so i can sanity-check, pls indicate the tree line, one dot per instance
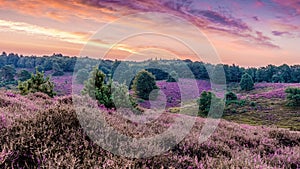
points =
(59, 65)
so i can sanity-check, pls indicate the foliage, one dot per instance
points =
(7, 73)
(37, 83)
(24, 75)
(293, 96)
(61, 64)
(96, 88)
(246, 83)
(144, 85)
(230, 96)
(121, 96)
(173, 77)
(81, 76)
(205, 103)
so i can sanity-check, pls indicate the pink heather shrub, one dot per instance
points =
(176, 92)
(268, 90)
(45, 133)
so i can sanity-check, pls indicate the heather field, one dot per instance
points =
(265, 105)
(41, 132)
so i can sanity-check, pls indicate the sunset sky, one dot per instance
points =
(247, 33)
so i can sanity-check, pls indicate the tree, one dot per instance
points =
(24, 75)
(293, 96)
(96, 88)
(173, 77)
(37, 83)
(82, 75)
(230, 96)
(7, 73)
(205, 103)
(246, 82)
(121, 96)
(144, 84)
(58, 71)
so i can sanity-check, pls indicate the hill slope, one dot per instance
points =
(38, 131)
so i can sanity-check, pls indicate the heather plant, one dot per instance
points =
(293, 97)
(53, 137)
(246, 82)
(37, 83)
(173, 77)
(144, 84)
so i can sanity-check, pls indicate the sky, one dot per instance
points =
(246, 33)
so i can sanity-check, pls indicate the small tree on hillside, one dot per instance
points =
(144, 84)
(247, 82)
(293, 96)
(24, 75)
(173, 77)
(230, 96)
(82, 75)
(96, 88)
(37, 83)
(109, 94)
(205, 103)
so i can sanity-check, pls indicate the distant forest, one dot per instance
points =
(12, 64)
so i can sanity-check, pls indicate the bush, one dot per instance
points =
(293, 97)
(173, 77)
(58, 73)
(144, 84)
(110, 94)
(205, 103)
(96, 88)
(37, 83)
(230, 96)
(247, 83)
(24, 75)
(121, 96)
(7, 73)
(82, 75)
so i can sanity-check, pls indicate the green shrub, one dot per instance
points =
(205, 103)
(110, 94)
(37, 83)
(24, 75)
(293, 97)
(247, 83)
(82, 75)
(230, 96)
(144, 84)
(96, 88)
(173, 77)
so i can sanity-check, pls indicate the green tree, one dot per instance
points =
(173, 77)
(82, 75)
(121, 96)
(58, 71)
(24, 75)
(230, 96)
(7, 73)
(37, 83)
(205, 103)
(144, 84)
(293, 96)
(246, 82)
(96, 88)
